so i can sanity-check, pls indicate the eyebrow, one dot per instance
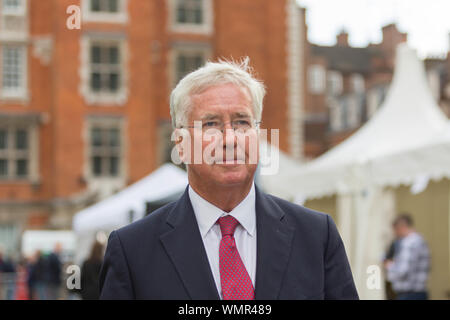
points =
(212, 116)
(241, 115)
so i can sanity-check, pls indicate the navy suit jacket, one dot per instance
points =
(300, 255)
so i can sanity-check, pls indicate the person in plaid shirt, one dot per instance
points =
(408, 271)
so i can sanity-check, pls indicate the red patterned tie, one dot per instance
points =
(235, 281)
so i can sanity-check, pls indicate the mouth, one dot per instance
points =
(232, 161)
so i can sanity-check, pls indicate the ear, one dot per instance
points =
(177, 137)
(182, 144)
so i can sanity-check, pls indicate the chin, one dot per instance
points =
(232, 177)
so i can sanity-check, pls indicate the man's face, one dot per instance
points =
(401, 229)
(223, 106)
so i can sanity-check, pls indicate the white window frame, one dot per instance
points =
(103, 98)
(358, 83)
(375, 98)
(187, 49)
(372, 102)
(20, 93)
(335, 83)
(353, 112)
(20, 10)
(120, 17)
(31, 154)
(316, 79)
(105, 184)
(9, 234)
(14, 24)
(336, 122)
(205, 28)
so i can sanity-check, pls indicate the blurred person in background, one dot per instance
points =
(40, 284)
(7, 277)
(33, 274)
(52, 273)
(408, 270)
(90, 271)
(22, 280)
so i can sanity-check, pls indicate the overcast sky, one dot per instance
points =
(427, 22)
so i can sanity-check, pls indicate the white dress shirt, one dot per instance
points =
(207, 215)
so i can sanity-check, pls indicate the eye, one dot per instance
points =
(242, 123)
(210, 124)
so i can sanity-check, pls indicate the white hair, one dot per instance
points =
(212, 74)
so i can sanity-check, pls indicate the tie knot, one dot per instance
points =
(227, 225)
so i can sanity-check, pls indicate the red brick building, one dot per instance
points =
(346, 85)
(438, 71)
(84, 112)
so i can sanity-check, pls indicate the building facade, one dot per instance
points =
(346, 85)
(85, 112)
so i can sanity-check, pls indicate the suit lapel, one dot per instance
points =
(185, 247)
(274, 241)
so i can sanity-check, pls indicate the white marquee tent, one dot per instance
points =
(114, 212)
(376, 156)
(408, 118)
(275, 168)
(426, 161)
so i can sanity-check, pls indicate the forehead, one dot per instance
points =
(221, 99)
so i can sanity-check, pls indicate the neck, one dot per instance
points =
(224, 197)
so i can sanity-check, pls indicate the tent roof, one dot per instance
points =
(409, 117)
(428, 160)
(114, 211)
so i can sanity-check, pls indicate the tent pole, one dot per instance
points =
(345, 222)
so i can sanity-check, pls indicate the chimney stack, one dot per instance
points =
(342, 39)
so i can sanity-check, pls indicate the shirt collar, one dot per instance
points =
(207, 213)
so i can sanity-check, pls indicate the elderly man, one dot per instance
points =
(225, 238)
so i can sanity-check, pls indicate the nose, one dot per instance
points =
(229, 136)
